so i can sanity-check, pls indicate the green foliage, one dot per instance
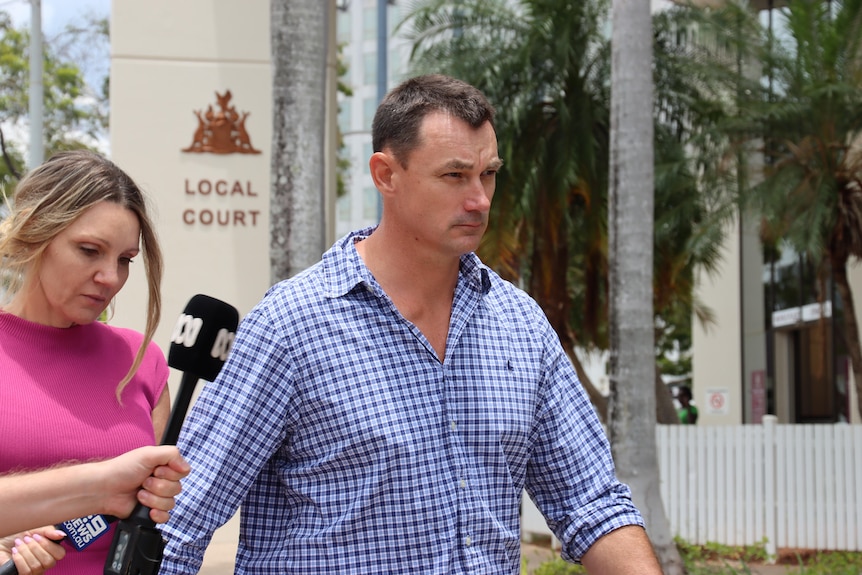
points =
(714, 558)
(694, 554)
(719, 559)
(546, 66)
(342, 161)
(810, 120)
(73, 115)
(831, 563)
(791, 132)
(719, 568)
(559, 567)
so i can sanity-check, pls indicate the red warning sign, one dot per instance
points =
(716, 401)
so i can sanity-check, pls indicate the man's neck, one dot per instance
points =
(407, 272)
(421, 288)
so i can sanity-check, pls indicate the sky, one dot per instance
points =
(56, 16)
(55, 13)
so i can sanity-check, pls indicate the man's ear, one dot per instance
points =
(381, 165)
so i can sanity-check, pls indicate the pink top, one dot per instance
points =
(58, 403)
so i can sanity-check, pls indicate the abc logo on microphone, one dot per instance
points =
(203, 336)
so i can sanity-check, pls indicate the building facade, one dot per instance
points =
(191, 123)
(182, 70)
(778, 347)
(358, 37)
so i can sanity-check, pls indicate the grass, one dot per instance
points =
(828, 563)
(717, 559)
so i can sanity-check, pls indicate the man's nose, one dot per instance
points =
(479, 197)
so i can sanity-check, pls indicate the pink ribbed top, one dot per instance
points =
(58, 403)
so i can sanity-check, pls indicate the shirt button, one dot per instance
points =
(454, 425)
(463, 483)
(468, 541)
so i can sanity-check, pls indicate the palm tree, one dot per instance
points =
(546, 69)
(811, 122)
(546, 66)
(630, 248)
(298, 45)
(803, 114)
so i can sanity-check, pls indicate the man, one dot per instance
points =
(149, 475)
(688, 411)
(382, 411)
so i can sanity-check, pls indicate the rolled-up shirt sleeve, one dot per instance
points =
(571, 475)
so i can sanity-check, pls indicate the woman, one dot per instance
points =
(74, 388)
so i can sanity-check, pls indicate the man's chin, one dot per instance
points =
(468, 237)
(469, 245)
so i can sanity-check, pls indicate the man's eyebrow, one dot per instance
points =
(455, 164)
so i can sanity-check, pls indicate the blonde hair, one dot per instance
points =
(52, 196)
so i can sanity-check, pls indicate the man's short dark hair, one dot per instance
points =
(398, 118)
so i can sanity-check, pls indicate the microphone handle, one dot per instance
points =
(137, 546)
(178, 412)
(141, 514)
(8, 568)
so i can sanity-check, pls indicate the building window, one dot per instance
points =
(343, 26)
(805, 356)
(343, 208)
(397, 61)
(393, 18)
(369, 23)
(369, 106)
(369, 68)
(344, 116)
(367, 150)
(370, 199)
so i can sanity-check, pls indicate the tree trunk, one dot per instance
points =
(665, 412)
(599, 401)
(851, 328)
(297, 224)
(632, 405)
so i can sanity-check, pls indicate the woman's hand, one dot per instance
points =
(33, 551)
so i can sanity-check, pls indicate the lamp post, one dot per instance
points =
(37, 147)
(382, 48)
(382, 64)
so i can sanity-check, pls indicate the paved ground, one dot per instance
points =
(219, 556)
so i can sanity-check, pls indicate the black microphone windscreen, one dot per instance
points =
(203, 336)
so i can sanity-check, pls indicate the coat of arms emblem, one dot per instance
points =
(221, 131)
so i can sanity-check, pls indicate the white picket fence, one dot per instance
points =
(795, 486)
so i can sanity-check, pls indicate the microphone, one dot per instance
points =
(200, 343)
(81, 533)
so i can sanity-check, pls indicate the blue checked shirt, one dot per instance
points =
(352, 449)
